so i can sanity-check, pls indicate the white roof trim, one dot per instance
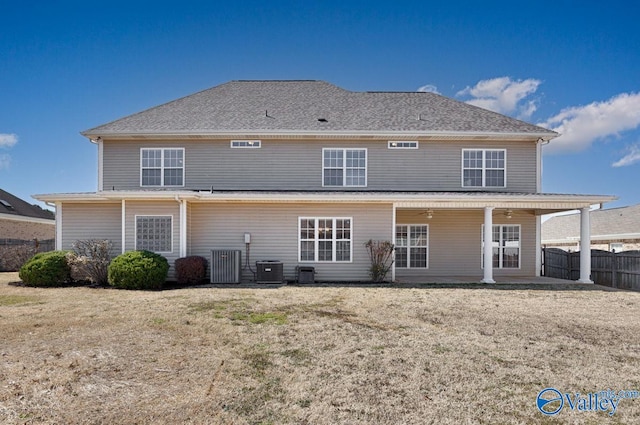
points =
(451, 200)
(298, 134)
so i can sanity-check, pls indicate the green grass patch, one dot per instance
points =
(259, 318)
(220, 306)
(17, 300)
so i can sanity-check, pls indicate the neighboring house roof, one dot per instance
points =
(606, 224)
(316, 107)
(12, 206)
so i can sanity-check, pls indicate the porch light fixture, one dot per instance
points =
(508, 214)
(429, 213)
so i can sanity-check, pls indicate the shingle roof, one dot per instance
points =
(290, 106)
(613, 221)
(10, 204)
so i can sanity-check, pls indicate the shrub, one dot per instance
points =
(191, 270)
(381, 256)
(46, 269)
(138, 270)
(90, 260)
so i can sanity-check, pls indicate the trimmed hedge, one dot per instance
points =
(138, 270)
(46, 269)
(191, 270)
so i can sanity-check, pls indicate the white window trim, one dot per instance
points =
(500, 248)
(484, 168)
(246, 144)
(344, 166)
(316, 240)
(403, 144)
(135, 230)
(184, 167)
(409, 246)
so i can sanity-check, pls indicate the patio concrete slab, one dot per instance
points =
(472, 279)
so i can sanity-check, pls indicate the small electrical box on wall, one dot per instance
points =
(247, 238)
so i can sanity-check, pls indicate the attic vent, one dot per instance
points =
(6, 204)
(323, 120)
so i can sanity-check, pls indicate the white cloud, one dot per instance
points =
(580, 126)
(429, 88)
(631, 157)
(5, 161)
(8, 140)
(504, 95)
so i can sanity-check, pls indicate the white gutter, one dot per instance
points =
(371, 134)
(403, 200)
(249, 195)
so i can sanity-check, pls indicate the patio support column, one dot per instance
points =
(183, 228)
(58, 225)
(393, 241)
(123, 227)
(488, 246)
(585, 246)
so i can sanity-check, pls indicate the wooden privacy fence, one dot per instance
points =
(617, 270)
(15, 252)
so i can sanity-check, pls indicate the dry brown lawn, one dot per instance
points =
(313, 355)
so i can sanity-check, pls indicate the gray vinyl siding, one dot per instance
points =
(297, 165)
(274, 234)
(153, 208)
(91, 221)
(455, 245)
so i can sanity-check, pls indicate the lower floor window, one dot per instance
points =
(154, 233)
(506, 246)
(325, 239)
(412, 246)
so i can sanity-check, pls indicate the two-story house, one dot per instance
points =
(312, 171)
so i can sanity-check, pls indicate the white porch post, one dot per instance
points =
(538, 245)
(393, 241)
(488, 248)
(183, 228)
(123, 227)
(58, 225)
(585, 246)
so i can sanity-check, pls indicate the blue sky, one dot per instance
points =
(67, 66)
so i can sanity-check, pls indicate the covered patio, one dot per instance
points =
(455, 221)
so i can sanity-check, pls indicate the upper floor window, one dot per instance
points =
(484, 167)
(246, 144)
(162, 167)
(402, 145)
(344, 167)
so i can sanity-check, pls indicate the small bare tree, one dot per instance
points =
(381, 256)
(90, 260)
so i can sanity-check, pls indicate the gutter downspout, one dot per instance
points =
(183, 225)
(98, 142)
